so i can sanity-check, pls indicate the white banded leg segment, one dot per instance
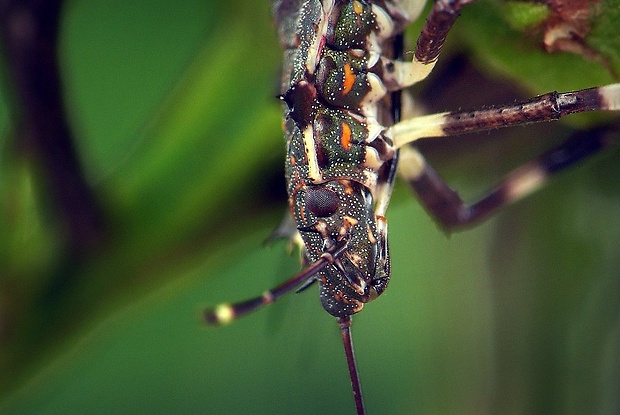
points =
(413, 129)
(524, 181)
(551, 106)
(398, 74)
(532, 176)
(610, 96)
(411, 8)
(445, 205)
(411, 164)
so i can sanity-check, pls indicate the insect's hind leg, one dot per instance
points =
(446, 206)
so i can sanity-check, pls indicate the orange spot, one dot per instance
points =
(349, 79)
(346, 184)
(358, 7)
(345, 136)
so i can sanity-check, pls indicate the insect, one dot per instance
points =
(343, 73)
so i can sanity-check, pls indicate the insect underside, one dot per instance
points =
(340, 91)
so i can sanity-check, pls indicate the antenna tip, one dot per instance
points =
(220, 315)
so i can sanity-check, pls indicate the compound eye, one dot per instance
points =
(321, 201)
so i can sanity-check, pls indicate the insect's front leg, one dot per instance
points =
(398, 74)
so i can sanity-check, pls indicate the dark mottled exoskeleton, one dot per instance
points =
(340, 91)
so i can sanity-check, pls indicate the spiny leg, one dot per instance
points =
(226, 313)
(445, 205)
(347, 341)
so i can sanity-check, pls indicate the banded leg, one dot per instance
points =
(547, 107)
(399, 74)
(445, 205)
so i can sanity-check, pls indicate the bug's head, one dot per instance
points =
(331, 215)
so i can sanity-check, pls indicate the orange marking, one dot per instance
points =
(349, 79)
(348, 189)
(358, 8)
(345, 136)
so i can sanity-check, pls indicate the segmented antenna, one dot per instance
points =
(226, 313)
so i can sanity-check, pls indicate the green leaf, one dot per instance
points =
(502, 44)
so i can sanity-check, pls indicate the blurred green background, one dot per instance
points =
(173, 109)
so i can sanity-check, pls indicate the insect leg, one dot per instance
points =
(547, 107)
(445, 205)
(428, 46)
